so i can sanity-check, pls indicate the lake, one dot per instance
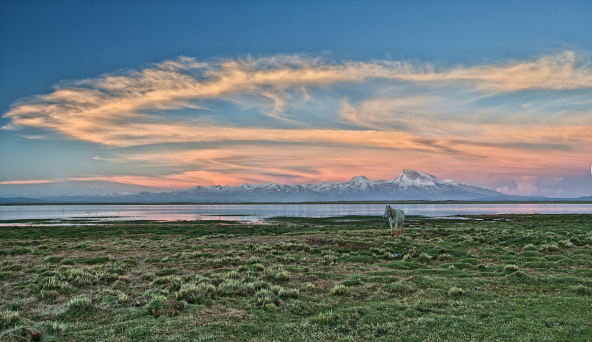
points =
(258, 212)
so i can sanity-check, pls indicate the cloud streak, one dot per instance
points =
(33, 181)
(516, 114)
(87, 106)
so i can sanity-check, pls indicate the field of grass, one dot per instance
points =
(503, 277)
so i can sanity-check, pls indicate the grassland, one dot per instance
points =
(503, 277)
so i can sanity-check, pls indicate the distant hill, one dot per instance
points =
(408, 185)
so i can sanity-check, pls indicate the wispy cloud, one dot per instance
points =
(90, 107)
(192, 178)
(33, 181)
(557, 72)
(530, 186)
(500, 115)
(33, 137)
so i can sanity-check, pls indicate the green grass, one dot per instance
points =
(518, 277)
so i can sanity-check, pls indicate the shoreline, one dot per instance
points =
(308, 203)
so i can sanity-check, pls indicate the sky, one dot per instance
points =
(130, 96)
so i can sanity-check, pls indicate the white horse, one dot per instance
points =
(396, 217)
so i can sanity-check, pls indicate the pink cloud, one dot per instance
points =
(529, 186)
(525, 186)
(33, 181)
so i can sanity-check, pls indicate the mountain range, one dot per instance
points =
(408, 185)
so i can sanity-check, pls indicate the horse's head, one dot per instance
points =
(387, 211)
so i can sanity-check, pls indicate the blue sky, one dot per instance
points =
(495, 94)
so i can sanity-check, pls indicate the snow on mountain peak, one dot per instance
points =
(410, 177)
(246, 186)
(359, 183)
(270, 186)
(360, 179)
(409, 184)
(114, 194)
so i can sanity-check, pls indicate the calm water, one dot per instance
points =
(254, 212)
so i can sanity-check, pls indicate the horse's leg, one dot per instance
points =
(402, 223)
(397, 229)
(391, 224)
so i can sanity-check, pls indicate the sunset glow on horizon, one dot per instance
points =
(519, 125)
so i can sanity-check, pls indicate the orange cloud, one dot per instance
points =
(90, 105)
(555, 72)
(189, 179)
(291, 164)
(375, 135)
(33, 181)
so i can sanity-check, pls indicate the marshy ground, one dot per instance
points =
(503, 277)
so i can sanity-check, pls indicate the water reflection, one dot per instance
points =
(254, 212)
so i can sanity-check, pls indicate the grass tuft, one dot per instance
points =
(353, 281)
(456, 292)
(166, 272)
(511, 268)
(79, 304)
(195, 293)
(258, 267)
(529, 248)
(159, 306)
(583, 290)
(148, 276)
(8, 319)
(445, 256)
(367, 259)
(282, 276)
(254, 260)
(53, 259)
(326, 318)
(339, 290)
(266, 299)
(229, 287)
(122, 298)
(548, 248)
(330, 259)
(424, 257)
(402, 288)
(288, 293)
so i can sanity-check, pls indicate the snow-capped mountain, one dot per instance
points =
(408, 185)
